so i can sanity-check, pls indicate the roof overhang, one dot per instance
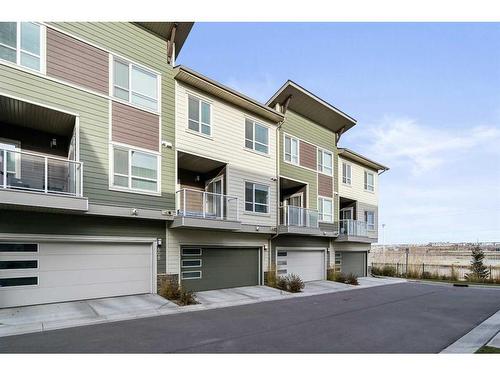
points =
(309, 105)
(354, 156)
(221, 91)
(164, 30)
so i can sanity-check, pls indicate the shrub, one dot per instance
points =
(376, 271)
(426, 275)
(454, 274)
(388, 271)
(271, 278)
(352, 279)
(339, 277)
(281, 283)
(170, 289)
(294, 283)
(187, 297)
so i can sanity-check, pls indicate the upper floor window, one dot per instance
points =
(325, 162)
(134, 170)
(369, 181)
(22, 43)
(200, 116)
(346, 173)
(291, 150)
(256, 136)
(370, 220)
(135, 84)
(256, 198)
(325, 208)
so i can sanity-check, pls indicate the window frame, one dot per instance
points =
(200, 123)
(346, 180)
(369, 188)
(254, 125)
(370, 226)
(320, 209)
(43, 49)
(292, 138)
(130, 66)
(129, 176)
(200, 253)
(337, 259)
(191, 278)
(190, 260)
(320, 167)
(267, 204)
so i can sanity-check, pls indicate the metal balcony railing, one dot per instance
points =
(353, 228)
(206, 205)
(21, 170)
(299, 217)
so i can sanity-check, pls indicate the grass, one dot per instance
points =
(488, 350)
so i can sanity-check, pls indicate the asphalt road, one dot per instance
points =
(401, 318)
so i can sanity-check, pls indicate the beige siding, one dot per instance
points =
(357, 190)
(135, 127)
(307, 155)
(227, 144)
(77, 62)
(325, 185)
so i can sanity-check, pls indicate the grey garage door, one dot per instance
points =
(218, 268)
(354, 262)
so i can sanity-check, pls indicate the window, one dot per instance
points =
(346, 173)
(135, 170)
(18, 281)
(370, 220)
(135, 84)
(338, 259)
(325, 208)
(282, 272)
(18, 247)
(256, 137)
(191, 252)
(199, 116)
(325, 161)
(189, 275)
(256, 198)
(191, 263)
(282, 253)
(18, 264)
(21, 43)
(369, 181)
(291, 150)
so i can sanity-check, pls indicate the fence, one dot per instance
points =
(418, 270)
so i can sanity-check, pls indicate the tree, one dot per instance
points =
(478, 271)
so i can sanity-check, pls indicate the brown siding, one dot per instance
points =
(307, 155)
(325, 185)
(77, 62)
(135, 127)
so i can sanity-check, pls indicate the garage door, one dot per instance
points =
(34, 273)
(219, 268)
(354, 262)
(308, 264)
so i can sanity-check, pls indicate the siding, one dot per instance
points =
(77, 62)
(325, 185)
(357, 190)
(360, 214)
(227, 145)
(135, 127)
(307, 155)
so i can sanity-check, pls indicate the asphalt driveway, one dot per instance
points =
(400, 318)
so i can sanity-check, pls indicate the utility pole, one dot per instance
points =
(383, 237)
(407, 253)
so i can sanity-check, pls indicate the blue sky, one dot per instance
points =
(426, 97)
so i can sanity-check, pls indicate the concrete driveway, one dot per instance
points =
(399, 318)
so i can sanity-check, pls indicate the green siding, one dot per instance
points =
(131, 42)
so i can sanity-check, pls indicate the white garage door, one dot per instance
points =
(34, 273)
(308, 264)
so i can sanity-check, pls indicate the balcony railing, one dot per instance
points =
(206, 205)
(353, 228)
(298, 217)
(21, 170)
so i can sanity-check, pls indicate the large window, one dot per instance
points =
(256, 198)
(21, 43)
(135, 84)
(370, 220)
(135, 170)
(325, 162)
(346, 173)
(200, 116)
(256, 136)
(369, 181)
(291, 150)
(325, 208)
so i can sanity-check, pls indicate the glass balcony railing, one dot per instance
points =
(206, 205)
(299, 217)
(353, 228)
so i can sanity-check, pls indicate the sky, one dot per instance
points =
(426, 98)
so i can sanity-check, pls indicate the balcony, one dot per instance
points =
(355, 231)
(298, 217)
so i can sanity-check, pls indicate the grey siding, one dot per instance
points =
(361, 208)
(135, 127)
(77, 62)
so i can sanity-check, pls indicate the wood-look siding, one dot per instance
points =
(135, 127)
(77, 62)
(308, 155)
(325, 185)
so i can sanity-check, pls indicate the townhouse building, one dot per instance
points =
(87, 165)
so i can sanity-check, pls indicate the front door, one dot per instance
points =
(293, 210)
(214, 199)
(11, 165)
(346, 215)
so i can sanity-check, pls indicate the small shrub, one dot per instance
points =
(330, 274)
(453, 274)
(426, 275)
(271, 278)
(339, 277)
(294, 283)
(352, 279)
(388, 271)
(170, 289)
(281, 283)
(376, 271)
(187, 297)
